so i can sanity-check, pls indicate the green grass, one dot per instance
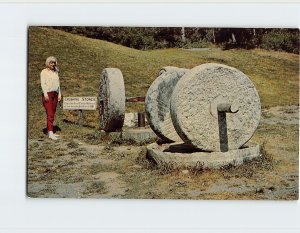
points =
(81, 60)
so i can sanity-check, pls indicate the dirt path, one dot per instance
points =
(287, 115)
(76, 168)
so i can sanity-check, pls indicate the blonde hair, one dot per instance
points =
(52, 59)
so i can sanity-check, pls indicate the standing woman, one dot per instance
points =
(51, 92)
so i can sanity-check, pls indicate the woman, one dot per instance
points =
(51, 92)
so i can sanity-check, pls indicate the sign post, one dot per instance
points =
(80, 104)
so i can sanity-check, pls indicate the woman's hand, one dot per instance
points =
(46, 98)
(59, 98)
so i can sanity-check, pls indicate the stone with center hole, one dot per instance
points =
(215, 107)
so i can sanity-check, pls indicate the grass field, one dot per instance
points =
(77, 166)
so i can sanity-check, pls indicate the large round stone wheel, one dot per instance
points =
(215, 108)
(171, 69)
(111, 100)
(157, 104)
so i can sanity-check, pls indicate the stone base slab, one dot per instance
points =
(183, 156)
(137, 135)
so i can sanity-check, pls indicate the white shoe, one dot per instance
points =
(52, 136)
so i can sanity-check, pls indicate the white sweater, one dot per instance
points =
(50, 82)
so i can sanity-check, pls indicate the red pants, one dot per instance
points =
(50, 107)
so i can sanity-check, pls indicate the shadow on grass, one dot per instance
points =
(77, 124)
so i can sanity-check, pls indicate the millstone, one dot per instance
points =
(157, 104)
(111, 100)
(171, 69)
(215, 106)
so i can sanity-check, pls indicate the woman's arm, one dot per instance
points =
(44, 85)
(59, 92)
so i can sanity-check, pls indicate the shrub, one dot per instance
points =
(281, 40)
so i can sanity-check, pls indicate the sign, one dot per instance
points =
(80, 103)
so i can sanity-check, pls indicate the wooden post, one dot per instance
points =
(141, 119)
(80, 117)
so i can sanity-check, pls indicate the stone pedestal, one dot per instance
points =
(183, 156)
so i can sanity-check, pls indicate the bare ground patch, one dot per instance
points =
(288, 115)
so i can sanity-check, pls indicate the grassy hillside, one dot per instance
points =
(81, 60)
